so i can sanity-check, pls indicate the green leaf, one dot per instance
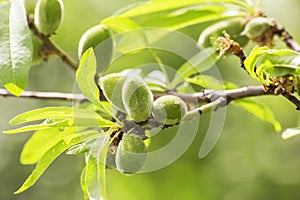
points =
(278, 63)
(120, 24)
(158, 6)
(177, 15)
(53, 153)
(85, 77)
(252, 59)
(259, 110)
(83, 184)
(291, 132)
(41, 141)
(75, 116)
(263, 63)
(15, 48)
(42, 126)
(95, 169)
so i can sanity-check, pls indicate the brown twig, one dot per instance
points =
(49, 47)
(45, 95)
(286, 37)
(292, 99)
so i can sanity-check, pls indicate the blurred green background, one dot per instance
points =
(250, 160)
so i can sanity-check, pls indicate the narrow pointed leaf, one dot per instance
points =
(176, 15)
(85, 77)
(42, 140)
(95, 169)
(83, 184)
(75, 116)
(15, 48)
(36, 127)
(157, 6)
(52, 154)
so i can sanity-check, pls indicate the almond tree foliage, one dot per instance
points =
(111, 121)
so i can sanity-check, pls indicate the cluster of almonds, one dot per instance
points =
(132, 96)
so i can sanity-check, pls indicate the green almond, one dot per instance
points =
(169, 109)
(131, 154)
(137, 99)
(92, 38)
(111, 86)
(48, 15)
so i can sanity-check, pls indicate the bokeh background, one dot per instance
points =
(250, 160)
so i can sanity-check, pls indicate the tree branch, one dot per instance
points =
(45, 95)
(286, 37)
(205, 96)
(49, 47)
(208, 96)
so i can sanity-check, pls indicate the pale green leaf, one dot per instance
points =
(159, 6)
(75, 116)
(291, 132)
(41, 141)
(85, 77)
(53, 153)
(176, 15)
(45, 125)
(15, 48)
(95, 169)
(259, 110)
(83, 184)
(120, 24)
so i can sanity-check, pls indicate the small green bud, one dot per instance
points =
(48, 15)
(257, 26)
(131, 154)
(169, 109)
(137, 99)
(93, 37)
